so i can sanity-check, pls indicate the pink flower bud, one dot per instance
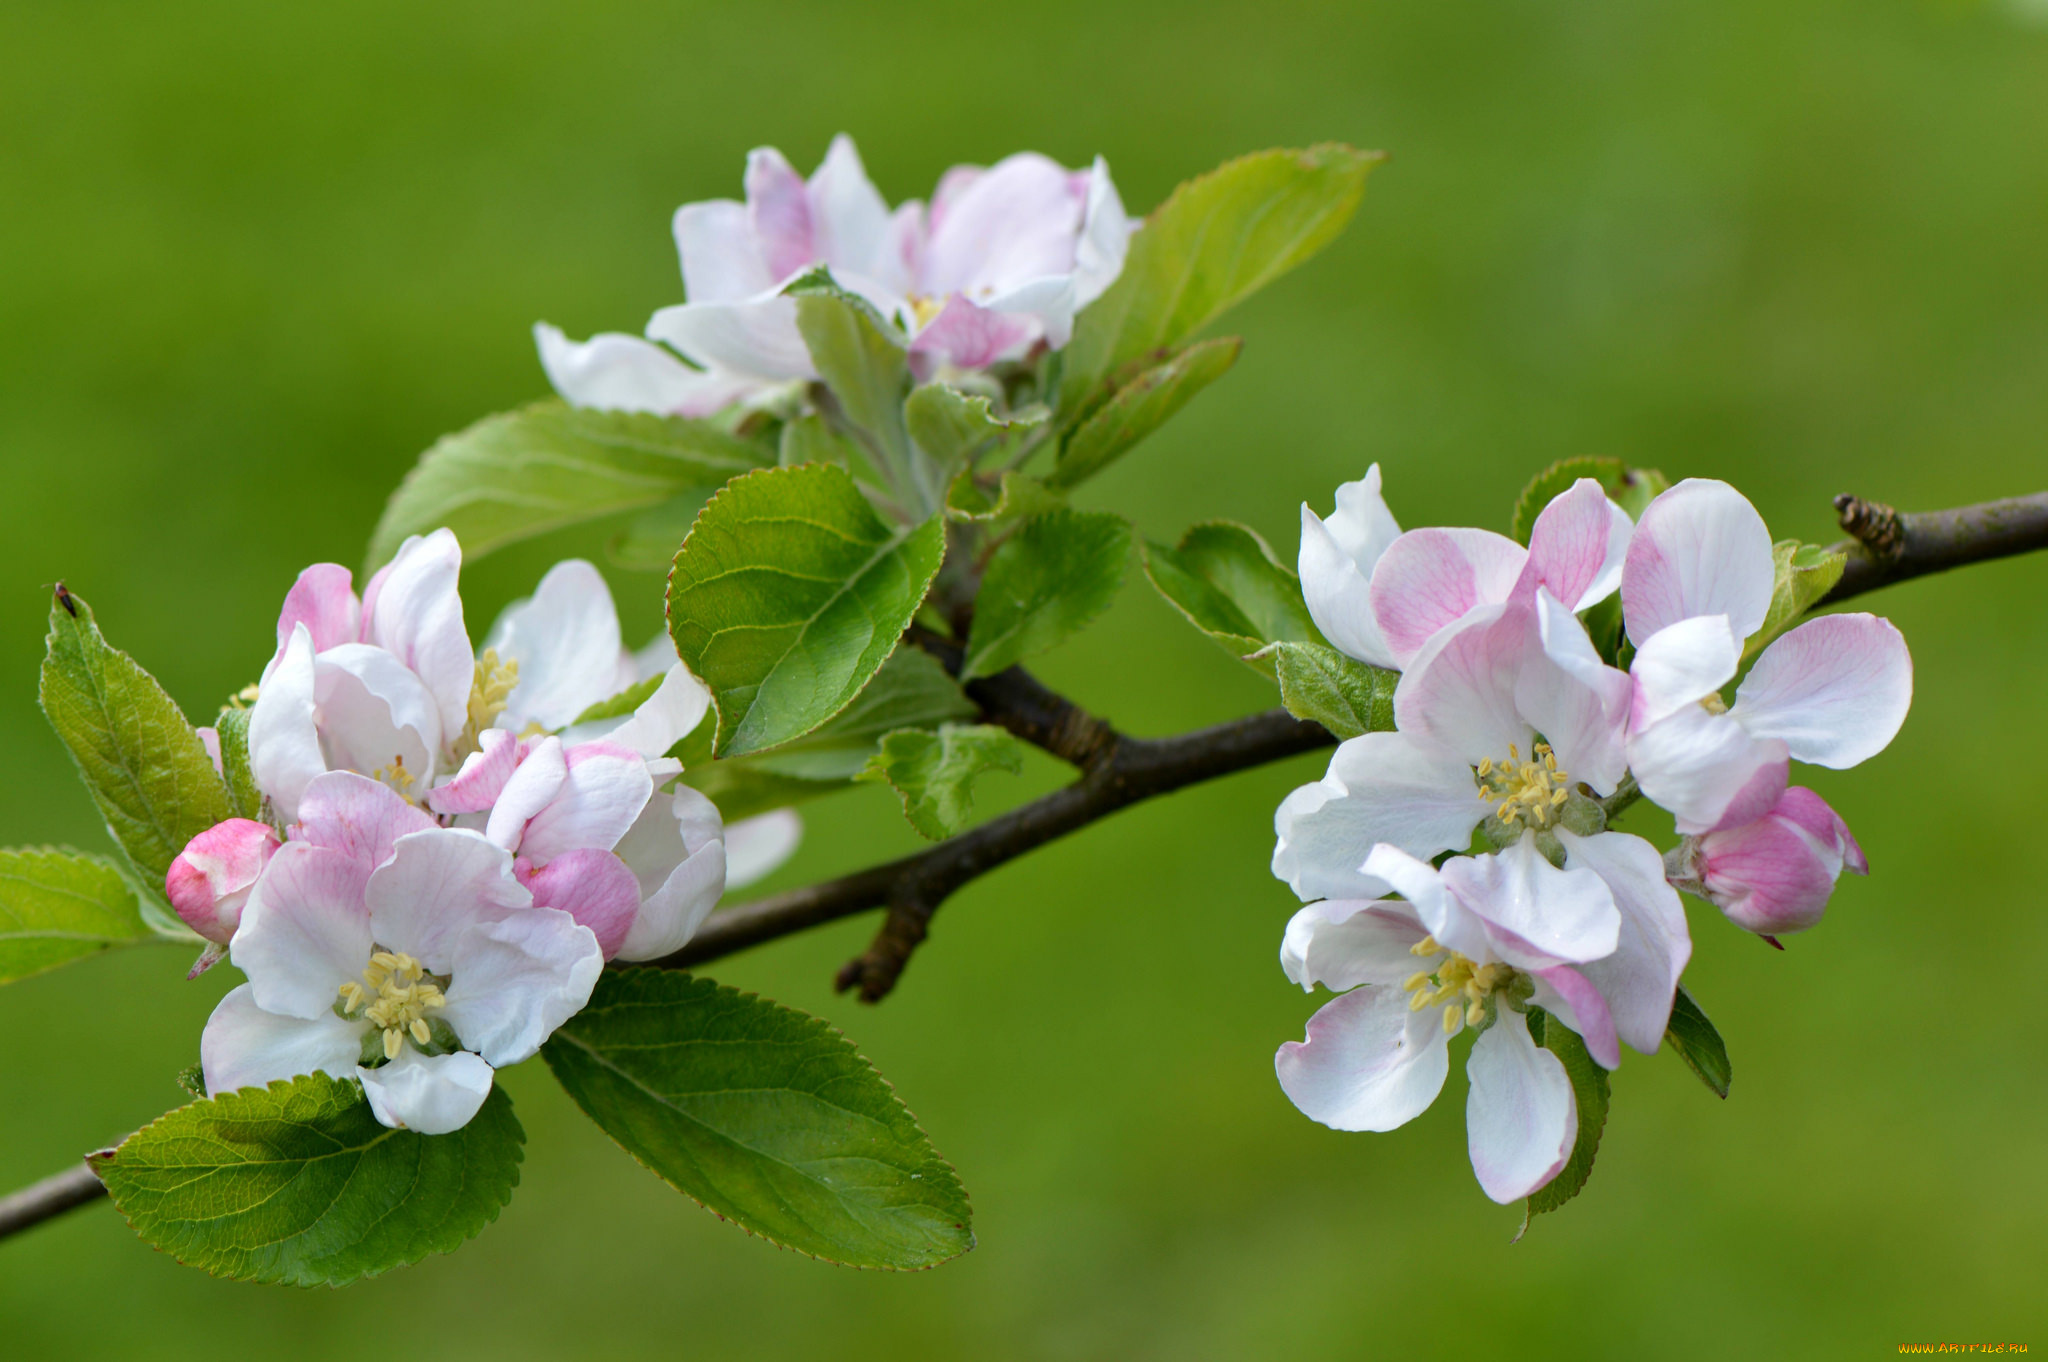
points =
(1774, 875)
(211, 879)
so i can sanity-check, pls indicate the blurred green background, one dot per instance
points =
(253, 258)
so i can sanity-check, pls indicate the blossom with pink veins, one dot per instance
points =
(1001, 262)
(378, 684)
(1597, 943)
(1775, 874)
(1833, 692)
(582, 805)
(382, 946)
(1492, 657)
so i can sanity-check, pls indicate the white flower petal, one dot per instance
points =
(664, 719)
(1368, 1063)
(757, 847)
(375, 712)
(615, 372)
(1536, 915)
(755, 336)
(604, 792)
(1342, 943)
(430, 1094)
(721, 258)
(1338, 594)
(304, 931)
(849, 217)
(1458, 692)
(1700, 549)
(412, 609)
(517, 978)
(284, 727)
(565, 638)
(1455, 926)
(1380, 788)
(1640, 977)
(1520, 1118)
(1579, 703)
(1680, 665)
(436, 890)
(245, 1047)
(1105, 237)
(483, 776)
(533, 785)
(676, 852)
(1570, 996)
(1707, 769)
(1835, 689)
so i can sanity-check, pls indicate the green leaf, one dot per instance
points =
(233, 728)
(299, 1184)
(955, 429)
(865, 362)
(911, 691)
(1229, 584)
(622, 704)
(1344, 695)
(788, 596)
(1698, 1043)
(1630, 488)
(649, 544)
(1018, 497)
(1140, 407)
(807, 439)
(1590, 1090)
(519, 473)
(1052, 577)
(59, 906)
(935, 772)
(1805, 573)
(765, 1116)
(140, 759)
(1220, 237)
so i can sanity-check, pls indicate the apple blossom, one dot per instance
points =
(380, 945)
(380, 684)
(1697, 583)
(1493, 659)
(211, 878)
(1773, 875)
(1595, 942)
(1001, 262)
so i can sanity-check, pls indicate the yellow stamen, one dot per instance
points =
(1451, 1016)
(493, 685)
(1415, 981)
(1524, 793)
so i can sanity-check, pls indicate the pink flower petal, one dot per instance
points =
(1572, 996)
(1707, 769)
(594, 887)
(305, 930)
(1458, 692)
(483, 776)
(604, 791)
(970, 337)
(779, 211)
(324, 600)
(1534, 915)
(1431, 578)
(210, 880)
(357, 817)
(1640, 978)
(1569, 545)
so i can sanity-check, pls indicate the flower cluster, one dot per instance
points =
(1512, 725)
(452, 845)
(997, 265)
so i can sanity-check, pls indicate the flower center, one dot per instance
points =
(396, 776)
(1461, 985)
(1530, 791)
(493, 686)
(399, 996)
(924, 307)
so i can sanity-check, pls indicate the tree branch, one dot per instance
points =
(1118, 771)
(48, 1199)
(1889, 547)
(1131, 769)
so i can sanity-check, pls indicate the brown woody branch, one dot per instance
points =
(46, 1200)
(1889, 547)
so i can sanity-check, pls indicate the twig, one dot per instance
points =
(48, 1199)
(1890, 547)
(1133, 769)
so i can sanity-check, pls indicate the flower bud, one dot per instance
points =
(211, 879)
(1775, 874)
